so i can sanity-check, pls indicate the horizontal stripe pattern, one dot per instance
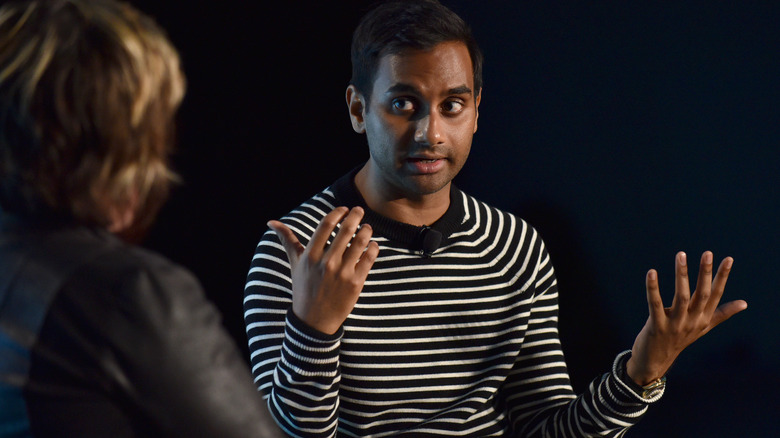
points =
(463, 343)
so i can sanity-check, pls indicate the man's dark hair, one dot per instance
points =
(393, 27)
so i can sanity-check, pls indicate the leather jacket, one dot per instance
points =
(102, 338)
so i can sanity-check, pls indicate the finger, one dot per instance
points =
(358, 244)
(726, 311)
(347, 230)
(703, 284)
(719, 284)
(682, 291)
(367, 260)
(321, 235)
(654, 302)
(291, 245)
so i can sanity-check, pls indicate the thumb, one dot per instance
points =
(292, 246)
(726, 311)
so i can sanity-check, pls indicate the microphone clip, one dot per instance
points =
(429, 241)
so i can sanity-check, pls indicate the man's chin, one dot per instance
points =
(426, 185)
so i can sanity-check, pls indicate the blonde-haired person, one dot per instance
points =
(99, 337)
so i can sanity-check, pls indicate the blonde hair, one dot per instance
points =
(88, 95)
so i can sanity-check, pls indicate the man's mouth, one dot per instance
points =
(425, 165)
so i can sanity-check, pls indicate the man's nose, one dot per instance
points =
(428, 129)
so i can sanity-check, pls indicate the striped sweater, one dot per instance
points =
(461, 342)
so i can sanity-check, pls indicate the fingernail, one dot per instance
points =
(683, 259)
(651, 274)
(707, 257)
(729, 262)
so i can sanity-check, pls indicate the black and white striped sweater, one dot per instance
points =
(463, 342)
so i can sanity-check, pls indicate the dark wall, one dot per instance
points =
(623, 133)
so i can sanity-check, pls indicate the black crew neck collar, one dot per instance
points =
(346, 193)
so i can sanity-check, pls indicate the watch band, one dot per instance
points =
(653, 388)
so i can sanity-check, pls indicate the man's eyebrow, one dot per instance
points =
(402, 88)
(406, 88)
(460, 90)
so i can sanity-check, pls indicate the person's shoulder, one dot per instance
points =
(304, 218)
(120, 268)
(341, 192)
(483, 211)
(153, 263)
(114, 289)
(316, 206)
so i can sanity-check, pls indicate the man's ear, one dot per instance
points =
(357, 109)
(477, 101)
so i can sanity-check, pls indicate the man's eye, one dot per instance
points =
(453, 106)
(403, 104)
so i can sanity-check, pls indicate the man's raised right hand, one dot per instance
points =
(327, 279)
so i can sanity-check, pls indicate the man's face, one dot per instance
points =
(421, 119)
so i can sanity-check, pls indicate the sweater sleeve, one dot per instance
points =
(538, 391)
(295, 366)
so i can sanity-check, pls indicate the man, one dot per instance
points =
(419, 310)
(99, 338)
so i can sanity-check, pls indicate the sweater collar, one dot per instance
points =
(454, 218)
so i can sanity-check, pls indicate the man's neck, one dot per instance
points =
(418, 211)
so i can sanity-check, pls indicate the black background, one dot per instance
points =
(623, 133)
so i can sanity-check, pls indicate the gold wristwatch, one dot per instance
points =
(653, 388)
(649, 393)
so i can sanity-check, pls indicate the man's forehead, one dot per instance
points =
(409, 88)
(446, 66)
